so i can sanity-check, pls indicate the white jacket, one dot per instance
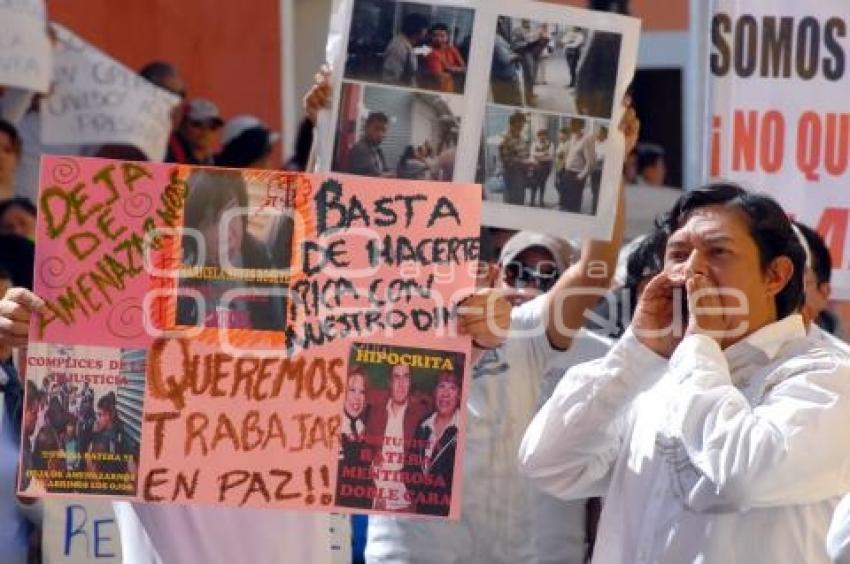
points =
(734, 456)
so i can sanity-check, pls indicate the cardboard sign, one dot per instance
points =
(97, 100)
(777, 113)
(521, 97)
(25, 58)
(249, 337)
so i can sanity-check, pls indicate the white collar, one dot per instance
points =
(431, 421)
(768, 339)
(401, 409)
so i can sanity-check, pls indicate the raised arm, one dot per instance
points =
(581, 286)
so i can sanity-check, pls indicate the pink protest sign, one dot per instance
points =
(249, 338)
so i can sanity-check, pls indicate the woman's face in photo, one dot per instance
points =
(447, 396)
(355, 395)
(235, 230)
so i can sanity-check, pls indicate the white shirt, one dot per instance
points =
(392, 456)
(826, 338)
(433, 438)
(582, 155)
(732, 456)
(187, 534)
(496, 523)
(838, 537)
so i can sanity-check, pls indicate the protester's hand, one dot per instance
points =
(319, 96)
(707, 312)
(656, 322)
(16, 308)
(486, 317)
(630, 126)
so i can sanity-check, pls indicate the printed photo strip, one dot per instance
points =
(429, 91)
(82, 420)
(238, 240)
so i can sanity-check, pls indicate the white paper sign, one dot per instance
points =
(76, 531)
(97, 100)
(428, 90)
(778, 114)
(25, 60)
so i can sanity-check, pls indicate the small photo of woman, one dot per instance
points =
(436, 437)
(215, 221)
(354, 462)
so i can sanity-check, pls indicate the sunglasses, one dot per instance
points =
(543, 277)
(204, 124)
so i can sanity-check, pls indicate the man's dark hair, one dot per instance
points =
(648, 154)
(121, 152)
(14, 137)
(18, 202)
(413, 24)
(769, 227)
(17, 256)
(376, 116)
(517, 117)
(645, 261)
(821, 259)
(439, 27)
(158, 71)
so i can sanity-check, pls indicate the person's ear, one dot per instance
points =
(778, 274)
(825, 290)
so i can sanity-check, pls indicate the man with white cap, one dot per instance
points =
(498, 522)
(194, 141)
(247, 143)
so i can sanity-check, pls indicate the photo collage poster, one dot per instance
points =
(521, 97)
(248, 338)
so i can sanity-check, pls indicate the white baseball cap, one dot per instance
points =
(562, 252)
(240, 124)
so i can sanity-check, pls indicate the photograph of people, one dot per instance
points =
(401, 63)
(352, 476)
(581, 160)
(436, 439)
(600, 149)
(212, 193)
(443, 63)
(543, 154)
(520, 156)
(65, 423)
(573, 40)
(528, 43)
(392, 421)
(366, 157)
(109, 438)
(392, 133)
(554, 67)
(409, 44)
(515, 157)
